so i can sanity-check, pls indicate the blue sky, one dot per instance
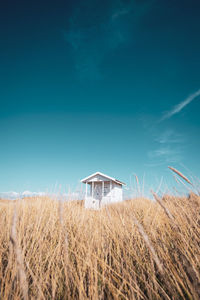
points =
(91, 85)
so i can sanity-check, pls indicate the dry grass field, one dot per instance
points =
(139, 249)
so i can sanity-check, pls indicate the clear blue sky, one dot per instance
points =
(110, 86)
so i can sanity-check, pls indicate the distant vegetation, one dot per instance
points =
(137, 249)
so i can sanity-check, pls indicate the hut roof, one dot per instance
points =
(87, 179)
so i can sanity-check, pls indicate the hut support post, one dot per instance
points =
(86, 186)
(92, 189)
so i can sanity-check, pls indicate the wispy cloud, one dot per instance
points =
(166, 153)
(121, 12)
(15, 195)
(169, 136)
(94, 32)
(155, 164)
(169, 145)
(168, 148)
(177, 108)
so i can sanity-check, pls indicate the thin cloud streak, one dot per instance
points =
(180, 106)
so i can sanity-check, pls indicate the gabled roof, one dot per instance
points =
(87, 179)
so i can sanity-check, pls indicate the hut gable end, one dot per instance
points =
(97, 177)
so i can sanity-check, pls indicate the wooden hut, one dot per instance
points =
(102, 189)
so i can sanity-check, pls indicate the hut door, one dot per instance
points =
(98, 191)
(96, 195)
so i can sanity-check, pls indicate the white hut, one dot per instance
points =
(102, 189)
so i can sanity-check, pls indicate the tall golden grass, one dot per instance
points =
(132, 250)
